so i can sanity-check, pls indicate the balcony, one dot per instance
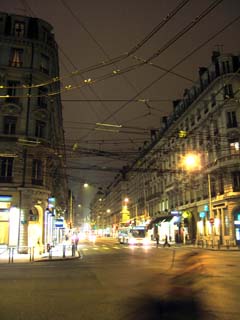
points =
(4, 179)
(37, 182)
(14, 100)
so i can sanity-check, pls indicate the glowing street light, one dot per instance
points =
(192, 162)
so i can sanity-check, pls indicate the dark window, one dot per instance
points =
(6, 167)
(213, 100)
(198, 114)
(205, 106)
(213, 188)
(226, 223)
(44, 64)
(33, 28)
(12, 91)
(19, 29)
(16, 57)
(231, 119)
(10, 125)
(225, 67)
(42, 99)
(40, 129)
(215, 128)
(37, 172)
(236, 181)
(228, 91)
(220, 185)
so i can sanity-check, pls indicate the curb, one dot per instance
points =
(57, 259)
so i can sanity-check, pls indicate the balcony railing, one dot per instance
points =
(4, 179)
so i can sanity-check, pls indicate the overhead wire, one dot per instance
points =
(153, 56)
(115, 59)
(166, 46)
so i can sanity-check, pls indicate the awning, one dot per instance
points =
(160, 219)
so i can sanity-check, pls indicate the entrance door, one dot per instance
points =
(237, 227)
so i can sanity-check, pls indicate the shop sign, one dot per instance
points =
(59, 223)
(5, 198)
(202, 214)
(176, 213)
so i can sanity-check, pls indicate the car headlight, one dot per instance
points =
(132, 241)
(146, 242)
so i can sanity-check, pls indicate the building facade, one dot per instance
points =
(32, 149)
(200, 205)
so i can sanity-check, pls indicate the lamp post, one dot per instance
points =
(192, 162)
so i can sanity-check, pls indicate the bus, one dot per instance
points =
(136, 235)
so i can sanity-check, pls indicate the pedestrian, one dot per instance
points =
(166, 243)
(157, 239)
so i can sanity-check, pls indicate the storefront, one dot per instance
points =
(236, 217)
(165, 226)
(9, 221)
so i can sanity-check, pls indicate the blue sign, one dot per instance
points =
(202, 214)
(59, 223)
(52, 200)
(5, 198)
(206, 207)
(176, 213)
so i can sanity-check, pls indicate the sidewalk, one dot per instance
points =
(59, 252)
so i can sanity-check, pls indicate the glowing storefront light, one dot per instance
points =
(200, 227)
(14, 214)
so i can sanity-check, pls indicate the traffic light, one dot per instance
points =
(182, 134)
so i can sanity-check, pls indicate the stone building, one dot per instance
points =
(33, 183)
(200, 203)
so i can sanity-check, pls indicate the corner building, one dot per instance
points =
(33, 184)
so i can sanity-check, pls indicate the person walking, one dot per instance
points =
(157, 239)
(166, 243)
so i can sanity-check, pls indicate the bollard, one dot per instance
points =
(50, 253)
(64, 251)
(33, 253)
(30, 256)
(10, 255)
(227, 244)
(219, 245)
(73, 250)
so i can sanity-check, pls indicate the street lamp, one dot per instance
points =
(192, 162)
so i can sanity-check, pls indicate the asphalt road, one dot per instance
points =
(115, 282)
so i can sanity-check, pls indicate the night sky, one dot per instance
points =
(133, 95)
